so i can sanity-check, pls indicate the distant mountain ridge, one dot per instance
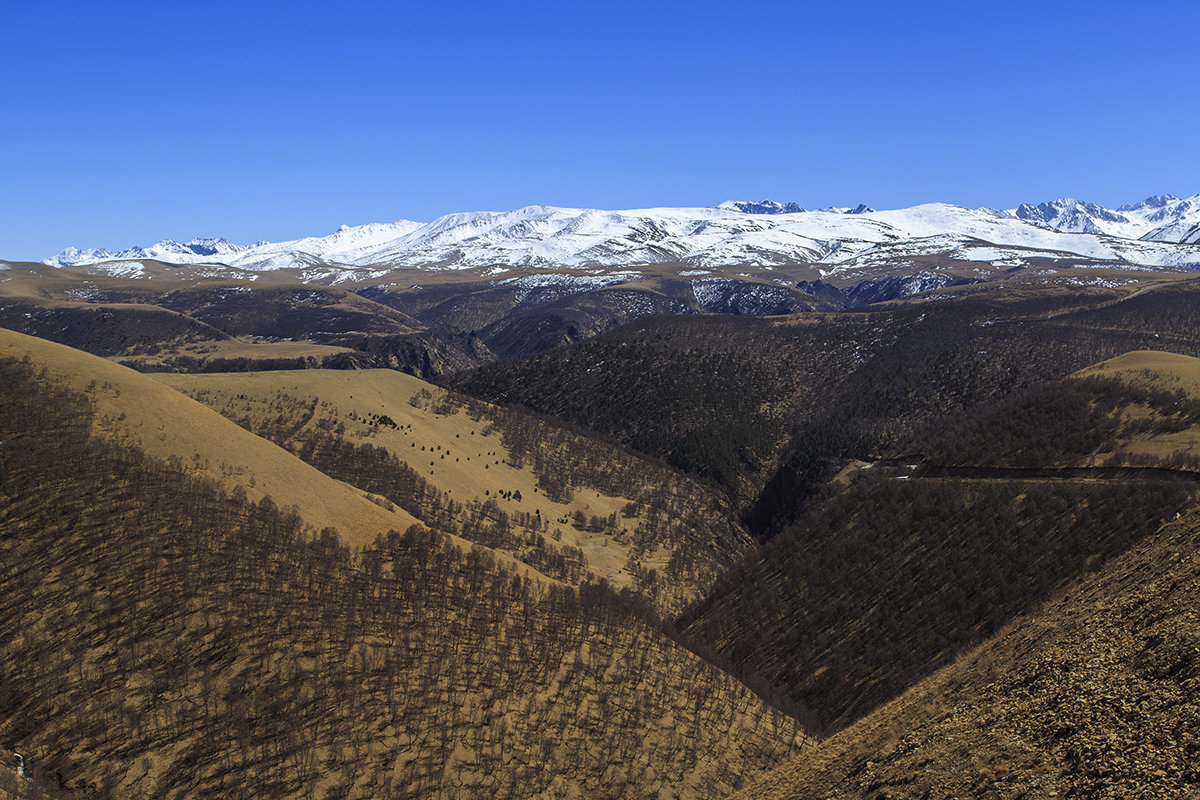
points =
(1153, 219)
(761, 233)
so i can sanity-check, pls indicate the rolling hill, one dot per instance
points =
(174, 636)
(576, 507)
(761, 405)
(653, 532)
(130, 409)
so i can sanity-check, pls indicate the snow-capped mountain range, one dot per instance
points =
(1160, 231)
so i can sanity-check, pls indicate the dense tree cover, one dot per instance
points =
(743, 401)
(104, 330)
(877, 586)
(428, 354)
(188, 363)
(704, 408)
(1063, 423)
(516, 320)
(147, 328)
(289, 312)
(1095, 694)
(165, 639)
(815, 453)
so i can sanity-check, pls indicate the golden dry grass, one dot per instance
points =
(135, 409)
(458, 455)
(178, 644)
(1159, 369)
(245, 347)
(1155, 369)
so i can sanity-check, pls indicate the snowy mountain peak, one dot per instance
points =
(1154, 201)
(213, 246)
(764, 233)
(861, 208)
(1162, 218)
(1069, 215)
(761, 207)
(193, 250)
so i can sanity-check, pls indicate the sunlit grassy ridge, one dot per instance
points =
(501, 478)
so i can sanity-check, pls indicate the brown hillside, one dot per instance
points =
(134, 409)
(165, 638)
(1166, 372)
(209, 356)
(1155, 366)
(1141, 409)
(549, 494)
(890, 573)
(1094, 695)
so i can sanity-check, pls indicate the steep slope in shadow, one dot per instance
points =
(889, 574)
(755, 403)
(1096, 693)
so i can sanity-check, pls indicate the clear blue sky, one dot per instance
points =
(122, 123)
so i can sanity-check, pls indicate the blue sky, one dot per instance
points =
(122, 122)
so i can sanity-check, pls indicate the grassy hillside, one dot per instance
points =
(1168, 431)
(572, 506)
(135, 410)
(1141, 409)
(267, 580)
(1094, 694)
(167, 637)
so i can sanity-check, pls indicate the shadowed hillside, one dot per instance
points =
(1095, 694)
(765, 406)
(183, 322)
(108, 329)
(890, 573)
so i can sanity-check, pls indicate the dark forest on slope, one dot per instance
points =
(761, 406)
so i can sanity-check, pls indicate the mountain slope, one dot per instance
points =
(1185, 232)
(895, 568)
(164, 637)
(570, 505)
(133, 409)
(173, 318)
(741, 400)
(1093, 694)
